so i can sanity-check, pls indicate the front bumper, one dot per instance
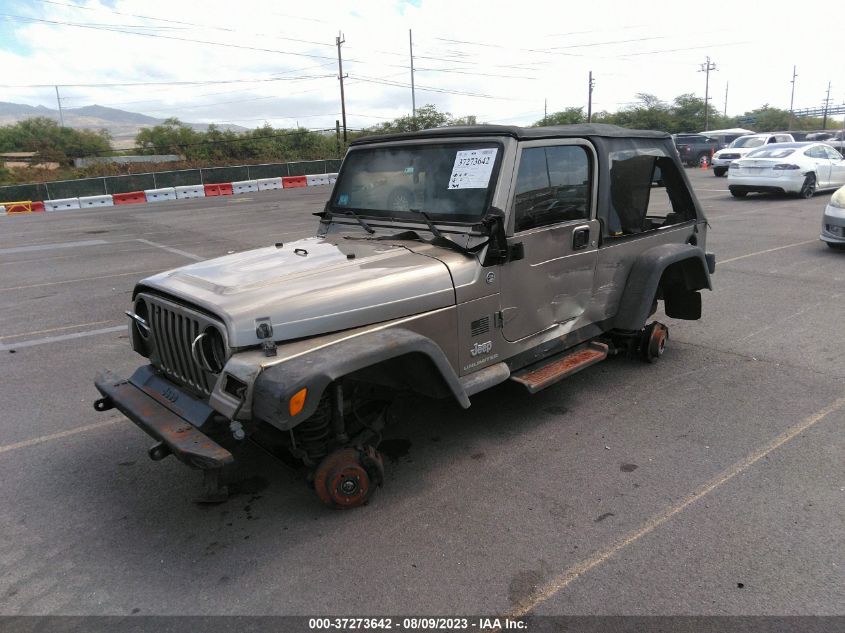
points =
(722, 162)
(833, 225)
(166, 413)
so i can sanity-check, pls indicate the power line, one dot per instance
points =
(180, 22)
(399, 84)
(166, 37)
(167, 83)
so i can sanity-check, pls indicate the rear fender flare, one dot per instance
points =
(645, 277)
(400, 352)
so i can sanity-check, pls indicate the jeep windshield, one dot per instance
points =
(449, 182)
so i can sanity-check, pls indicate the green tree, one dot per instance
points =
(428, 116)
(647, 113)
(52, 142)
(566, 116)
(768, 119)
(688, 113)
(171, 137)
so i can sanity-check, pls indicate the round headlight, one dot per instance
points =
(141, 310)
(211, 350)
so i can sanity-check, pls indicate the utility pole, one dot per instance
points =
(413, 90)
(792, 96)
(727, 83)
(706, 68)
(59, 101)
(826, 104)
(545, 111)
(340, 40)
(337, 135)
(590, 85)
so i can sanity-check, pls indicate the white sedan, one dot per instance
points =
(798, 168)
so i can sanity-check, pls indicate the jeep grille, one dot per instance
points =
(174, 329)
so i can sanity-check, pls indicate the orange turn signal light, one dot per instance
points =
(297, 401)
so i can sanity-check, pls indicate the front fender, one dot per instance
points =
(644, 280)
(404, 354)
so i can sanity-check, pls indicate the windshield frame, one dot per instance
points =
(383, 215)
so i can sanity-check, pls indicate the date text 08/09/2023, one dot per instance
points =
(417, 624)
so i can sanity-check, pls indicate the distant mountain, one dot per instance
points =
(121, 124)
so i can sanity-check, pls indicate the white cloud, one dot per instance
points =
(517, 53)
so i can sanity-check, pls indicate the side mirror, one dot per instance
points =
(497, 250)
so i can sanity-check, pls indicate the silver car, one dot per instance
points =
(833, 221)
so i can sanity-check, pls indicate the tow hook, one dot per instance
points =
(158, 452)
(103, 404)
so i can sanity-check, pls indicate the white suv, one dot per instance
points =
(741, 146)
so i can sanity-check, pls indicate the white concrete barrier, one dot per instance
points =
(61, 204)
(269, 183)
(2, 209)
(190, 191)
(318, 179)
(158, 195)
(96, 201)
(244, 186)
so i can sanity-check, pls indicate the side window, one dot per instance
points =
(772, 139)
(647, 192)
(832, 154)
(815, 152)
(552, 186)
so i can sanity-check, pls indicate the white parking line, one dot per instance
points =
(73, 281)
(55, 329)
(5, 347)
(576, 571)
(768, 250)
(59, 435)
(50, 247)
(170, 249)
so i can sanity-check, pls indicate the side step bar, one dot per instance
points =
(554, 369)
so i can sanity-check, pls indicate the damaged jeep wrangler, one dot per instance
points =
(446, 261)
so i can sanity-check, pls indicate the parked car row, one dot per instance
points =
(743, 145)
(719, 147)
(698, 149)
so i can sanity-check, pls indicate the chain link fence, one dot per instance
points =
(155, 180)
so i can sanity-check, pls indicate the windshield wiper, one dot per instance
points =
(350, 212)
(428, 221)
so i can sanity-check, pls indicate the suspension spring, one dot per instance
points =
(312, 436)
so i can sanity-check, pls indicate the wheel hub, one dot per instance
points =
(346, 479)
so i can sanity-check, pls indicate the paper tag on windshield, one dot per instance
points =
(472, 168)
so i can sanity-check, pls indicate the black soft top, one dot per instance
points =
(582, 130)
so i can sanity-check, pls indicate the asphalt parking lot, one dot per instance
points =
(711, 482)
